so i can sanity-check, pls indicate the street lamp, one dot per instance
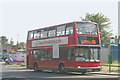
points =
(17, 39)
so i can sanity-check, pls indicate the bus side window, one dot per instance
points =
(30, 37)
(43, 54)
(70, 54)
(49, 55)
(61, 30)
(36, 34)
(63, 54)
(52, 32)
(43, 33)
(35, 55)
(69, 29)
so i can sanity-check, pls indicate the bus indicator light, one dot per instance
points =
(109, 46)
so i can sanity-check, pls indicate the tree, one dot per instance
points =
(3, 40)
(103, 24)
(21, 45)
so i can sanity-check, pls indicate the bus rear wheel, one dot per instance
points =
(35, 67)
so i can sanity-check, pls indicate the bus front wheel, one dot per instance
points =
(61, 69)
(83, 73)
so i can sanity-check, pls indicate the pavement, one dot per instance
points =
(106, 73)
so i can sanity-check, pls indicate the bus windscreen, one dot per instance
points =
(86, 28)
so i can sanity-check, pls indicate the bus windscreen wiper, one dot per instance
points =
(93, 58)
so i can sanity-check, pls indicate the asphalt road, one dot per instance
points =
(21, 72)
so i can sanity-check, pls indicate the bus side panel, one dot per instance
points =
(30, 61)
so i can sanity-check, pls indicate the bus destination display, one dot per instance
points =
(86, 40)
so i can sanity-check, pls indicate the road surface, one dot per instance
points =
(9, 71)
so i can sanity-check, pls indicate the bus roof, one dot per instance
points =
(61, 24)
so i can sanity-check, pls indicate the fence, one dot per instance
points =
(119, 52)
(104, 52)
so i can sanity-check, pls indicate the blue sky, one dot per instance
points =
(20, 17)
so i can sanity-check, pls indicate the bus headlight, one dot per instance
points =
(79, 66)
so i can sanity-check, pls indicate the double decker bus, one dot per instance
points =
(72, 47)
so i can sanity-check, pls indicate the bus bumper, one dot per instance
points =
(83, 69)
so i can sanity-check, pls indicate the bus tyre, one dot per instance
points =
(61, 69)
(35, 67)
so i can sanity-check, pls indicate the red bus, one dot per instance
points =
(72, 47)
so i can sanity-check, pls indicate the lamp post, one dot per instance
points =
(110, 58)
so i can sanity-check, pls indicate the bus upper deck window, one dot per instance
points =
(44, 33)
(52, 32)
(36, 34)
(30, 35)
(69, 29)
(61, 30)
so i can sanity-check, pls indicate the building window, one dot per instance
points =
(69, 29)
(43, 33)
(30, 37)
(61, 30)
(51, 32)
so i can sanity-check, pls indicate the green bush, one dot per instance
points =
(22, 65)
(113, 63)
